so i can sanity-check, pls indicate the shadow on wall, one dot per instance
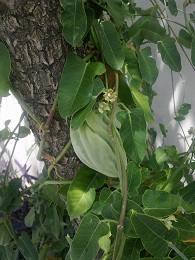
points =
(24, 157)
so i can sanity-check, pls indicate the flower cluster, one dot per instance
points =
(109, 96)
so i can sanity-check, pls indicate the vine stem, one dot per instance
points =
(164, 17)
(68, 145)
(120, 227)
(45, 128)
(118, 246)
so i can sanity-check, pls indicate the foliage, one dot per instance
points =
(130, 197)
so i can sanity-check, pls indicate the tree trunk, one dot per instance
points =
(32, 33)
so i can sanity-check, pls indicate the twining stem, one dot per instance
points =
(123, 179)
(45, 128)
(120, 227)
(25, 107)
(68, 145)
(174, 34)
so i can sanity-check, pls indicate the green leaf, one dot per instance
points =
(133, 179)
(115, 9)
(9, 193)
(188, 192)
(81, 193)
(105, 242)
(153, 233)
(163, 129)
(30, 217)
(110, 44)
(26, 247)
(193, 51)
(8, 253)
(185, 38)
(74, 21)
(147, 65)
(104, 198)
(133, 133)
(132, 249)
(134, 30)
(50, 191)
(186, 230)
(162, 204)
(5, 237)
(173, 7)
(133, 68)
(170, 54)
(5, 68)
(53, 220)
(182, 112)
(142, 101)
(158, 159)
(76, 84)
(85, 243)
(153, 31)
(23, 131)
(80, 116)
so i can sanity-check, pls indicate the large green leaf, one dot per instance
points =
(115, 9)
(5, 68)
(147, 65)
(80, 116)
(110, 44)
(153, 31)
(133, 133)
(193, 51)
(26, 247)
(169, 53)
(133, 179)
(153, 233)
(142, 101)
(162, 204)
(81, 193)
(76, 84)
(74, 21)
(85, 243)
(185, 38)
(133, 68)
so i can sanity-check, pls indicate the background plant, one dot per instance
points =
(131, 196)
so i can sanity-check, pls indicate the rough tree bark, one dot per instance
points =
(32, 32)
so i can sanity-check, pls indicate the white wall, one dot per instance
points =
(184, 90)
